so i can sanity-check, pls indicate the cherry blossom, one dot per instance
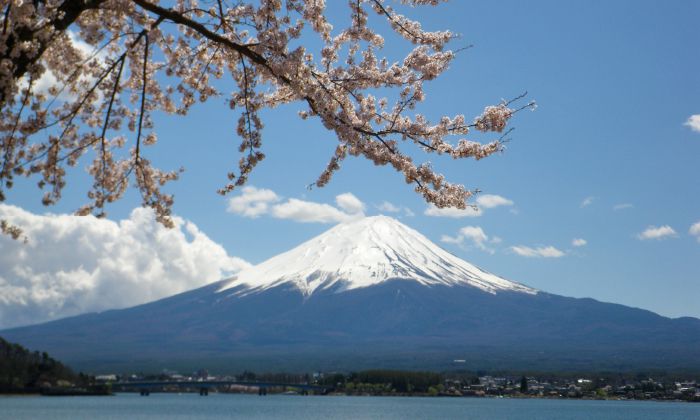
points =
(114, 63)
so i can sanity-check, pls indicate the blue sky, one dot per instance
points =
(605, 156)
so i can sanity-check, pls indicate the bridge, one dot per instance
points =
(146, 387)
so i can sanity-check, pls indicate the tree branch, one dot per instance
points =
(66, 15)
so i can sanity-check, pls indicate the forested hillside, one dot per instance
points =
(24, 371)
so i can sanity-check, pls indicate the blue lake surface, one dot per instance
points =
(235, 406)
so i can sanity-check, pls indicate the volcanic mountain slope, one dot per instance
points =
(367, 253)
(370, 293)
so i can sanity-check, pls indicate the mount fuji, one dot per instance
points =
(367, 253)
(368, 293)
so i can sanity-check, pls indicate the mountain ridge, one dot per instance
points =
(283, 322)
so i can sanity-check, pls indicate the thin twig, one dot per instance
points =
(143, 100)
(106, 124)
(247, 110)
(6, 19)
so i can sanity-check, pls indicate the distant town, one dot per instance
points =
(26, 372)
(409, 383)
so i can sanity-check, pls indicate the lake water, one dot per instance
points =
(193, 407)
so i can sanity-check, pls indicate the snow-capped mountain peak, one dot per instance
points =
(363, 253)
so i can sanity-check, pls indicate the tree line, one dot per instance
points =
(384, 381)
(22, 370)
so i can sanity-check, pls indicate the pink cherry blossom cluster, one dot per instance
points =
(85, 77)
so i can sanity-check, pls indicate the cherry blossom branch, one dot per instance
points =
(77, 108)
(66, 15)
(143, 99)
(202, 30)
(261, 45)
(103, 178)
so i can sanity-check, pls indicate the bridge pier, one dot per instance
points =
(262, 391)
(203, 392)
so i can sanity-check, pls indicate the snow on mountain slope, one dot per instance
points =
(364, 253)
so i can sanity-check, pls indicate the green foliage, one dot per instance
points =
(21, 369)
(400, 381)
(247, 376)
(523, 385)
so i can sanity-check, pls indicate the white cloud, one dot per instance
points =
(456, 240)
(310, 212)
(579, 242)
(388, 207)
(694, 122)
(252, 202)
(539, 252)
(349, 203)
(476, 235)
(473, 234)
(654, 232)
(255, 202)
(86, 50)
(587, 201)
(489, 201)
(452, 212)
(622, 206)
(695, 230)
(72, 264)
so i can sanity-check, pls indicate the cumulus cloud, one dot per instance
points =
(388, 207)
(255, 202)
(622, 206)
(656, 232)
(252, 202)
(72, 265)
(695, 230)
(475, 235)
(456, 240)
(694, 123)
(349, 203)
(310, 212)
(587, 201)
(578, 242)
(489, 201)
(452, 212)
(538, 252)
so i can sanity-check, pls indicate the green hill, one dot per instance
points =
(24, 371)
